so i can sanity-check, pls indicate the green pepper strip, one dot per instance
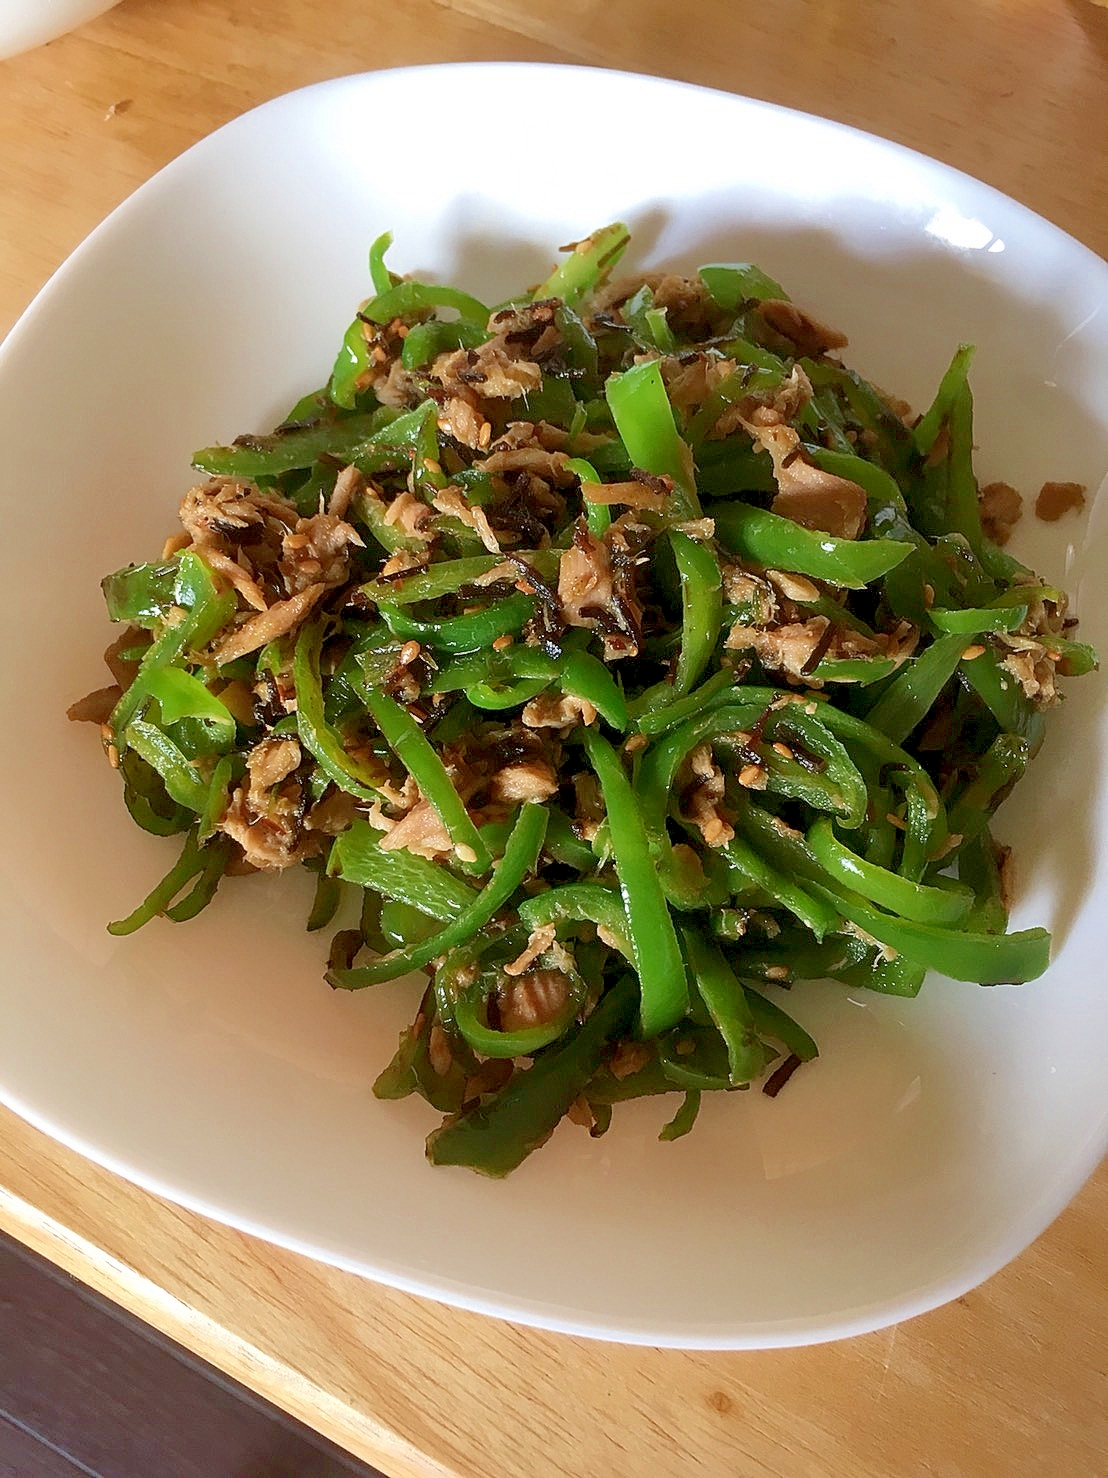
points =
(140, 594)
(401, 924)
(215, 803)
(727, 1005)
(426, 341)
(963, 513)
(180, 695)
(435, 581)
(694, 1056)
(899, 976)
(999, 767)
(685, 1117)
(357, 857)
(661, 762)
(701, 609)
(720, 687)
(328, 895)
(411, 440)
(644, 419)
(208, 611)
(794, 955)
(784, 850)
(973, 622)
(215, 857)
(848, 728)
(413, 749)
(748, 354)
(158, 900)
(598, 516)
(781, 544)
(977, 867)
(920, 837)
(515, 695)
(604, 1089)
(1078, 657)
(350, 367)
(838, 788)
(890, 442)
(985, 958)
(578, 673)
(813, 912)
(728, 468)
(310, 407)
(913, 692)
(657, 322)
(692, 881)
(519, 859)
(467, 1001)
(911, 900)
(182, 781)
(406, 298)
(410, 1070)
(731, 284)
(720, 691)
(988, 959)
(471, 633)
(369, 511)
(574, 902)
(466, 672)
(661, 970)
(773, 1022)
(316, 734)
(584, 676)
(565, 846)
(648, 323)
(498, 1136)
(379, 274)
(580, 354)
(861, 670)
(288, 451)
(1000, 691)
(883, 495)
(586, 266)
(148, 803)
(492, 1043)
(927, 429)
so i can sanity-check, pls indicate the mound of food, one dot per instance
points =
(623, 657)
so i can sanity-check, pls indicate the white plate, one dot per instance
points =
(934, 1139)
(27, 23)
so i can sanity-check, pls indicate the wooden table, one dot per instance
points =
(1008, 1381)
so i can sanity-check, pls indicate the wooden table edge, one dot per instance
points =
(214, 1342)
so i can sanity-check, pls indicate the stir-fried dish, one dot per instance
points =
(614, 657)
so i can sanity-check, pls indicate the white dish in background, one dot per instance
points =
(934, 1139)
(27, 23)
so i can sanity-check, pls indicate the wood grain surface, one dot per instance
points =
(1009, 1381)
